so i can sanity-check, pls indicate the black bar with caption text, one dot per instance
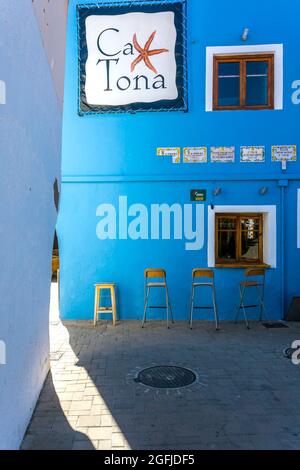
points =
(167, 459)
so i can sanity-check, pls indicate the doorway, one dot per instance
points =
(54, 294)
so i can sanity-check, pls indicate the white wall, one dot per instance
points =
(30, 147)
(51, 16)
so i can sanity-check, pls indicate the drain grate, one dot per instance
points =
(275, 325)
(166, 377)
(56, 356)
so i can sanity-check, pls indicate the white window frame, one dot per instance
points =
(277, 49)
(269, 236)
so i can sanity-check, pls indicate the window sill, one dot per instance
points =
(249, 108)
(242, 265)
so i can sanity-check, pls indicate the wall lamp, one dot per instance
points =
(263, 191)
(217, 191)
(245, 34)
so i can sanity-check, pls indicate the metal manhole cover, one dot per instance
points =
(166, 377)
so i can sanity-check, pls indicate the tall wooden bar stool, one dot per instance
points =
(161, 276)
(105, 310)
(209, 275)
(254, 277)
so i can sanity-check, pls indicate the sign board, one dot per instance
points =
(222, 154)
(284, 153)
(132, 56)
(198, 195)
(174, 152)
(253, 154)
(195, 155)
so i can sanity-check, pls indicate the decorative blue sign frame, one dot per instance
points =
(118, 8)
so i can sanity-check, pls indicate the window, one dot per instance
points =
(243, 82)
(239, 239)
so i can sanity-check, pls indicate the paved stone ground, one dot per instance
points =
(247, 396)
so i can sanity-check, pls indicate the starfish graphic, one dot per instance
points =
(145, 53)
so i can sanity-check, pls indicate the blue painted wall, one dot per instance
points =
(111, 155)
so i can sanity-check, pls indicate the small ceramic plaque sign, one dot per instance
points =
(222, 154)
(284, 153)
(253, 154)
(195, 155)
(173, 152)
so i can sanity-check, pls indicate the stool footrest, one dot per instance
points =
(156, 306)
(249, 306)
(203, 308)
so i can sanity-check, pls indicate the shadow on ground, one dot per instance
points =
(49, 428)
(246, 396)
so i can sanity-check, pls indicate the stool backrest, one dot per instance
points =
(254, 272)
(155, 273)
(203, 273)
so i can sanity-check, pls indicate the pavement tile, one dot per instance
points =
(89, 421)
(247, 396)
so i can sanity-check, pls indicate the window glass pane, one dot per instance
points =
(229, 69)
(249, 223)
(257, 83)
(257, 68)
(226, 223)
(227, 245)
(250, 245)
(229, 84)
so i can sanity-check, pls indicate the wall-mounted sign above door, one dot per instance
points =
(132, 56)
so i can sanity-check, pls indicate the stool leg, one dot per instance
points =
(262, 304)
(170, 306)
(167, 306)
(171, 311)
(215, 306)
(96, 306)
(147, 290)
(192, 307)
(243, 307)
(113, 305)
(239, 306)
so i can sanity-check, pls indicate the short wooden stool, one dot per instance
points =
(98, 309)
